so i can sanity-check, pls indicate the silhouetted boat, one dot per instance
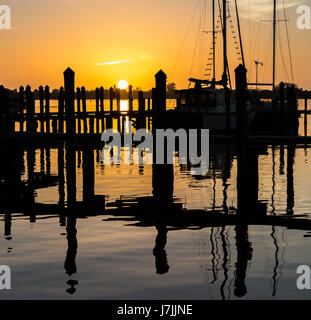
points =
(216, 106)
(211, 105)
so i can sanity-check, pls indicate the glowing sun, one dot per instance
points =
(122, 84)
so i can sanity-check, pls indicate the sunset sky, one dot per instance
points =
(105, 41)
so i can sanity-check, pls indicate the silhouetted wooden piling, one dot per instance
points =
(83, 98)
(162, 174)
(282, 108)
(102, 109)
(54, 125)
(48, 161)
(111, 96)
(109, 121)
(141, 120)
(247, 164)
(69, 80)
(242, 119)
(228, 109)
(21, 107)
(41, 102)
(141, 102)
(61, 109)
(130, 98)
(118, 97)
(97, 94)
(159, 99)
(91, 124)
(30, 109)
(79, 109)
(291, 117)
(242, 137)
(47, 108)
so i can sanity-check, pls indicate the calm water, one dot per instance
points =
(114, 250)
(115, 256)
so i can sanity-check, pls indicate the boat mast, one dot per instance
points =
(239, 28)
(274, 40)
(224, 32)
(214, 43)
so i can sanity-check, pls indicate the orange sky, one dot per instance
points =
(143, 36)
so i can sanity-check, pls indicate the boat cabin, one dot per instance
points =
(204, 99)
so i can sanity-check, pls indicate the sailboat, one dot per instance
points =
(212, 99)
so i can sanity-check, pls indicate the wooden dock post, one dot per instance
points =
(292, 119)
(242, 120)
(118, 96)
(228, 109)
(79, 109)
(21, 108)
(61, 109)
(97, 94)
(282, 108)
(162, 174)
(159, 100)
(102, 109)
(91, 124)
(30, 108)
(141, 109)
(54, 125)
(111, 96)
(47, 108)
(141, 102)
(242, 137)
(69, 81)
(83, 98)
(109, 121)
(130, 98)
(41, 101)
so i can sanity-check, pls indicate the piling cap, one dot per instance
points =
(69, 71)
(240, 68)
(161, 74)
